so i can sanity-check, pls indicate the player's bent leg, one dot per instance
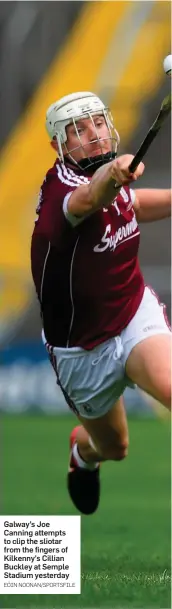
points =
(94, 441)
(149, 366)
(109, 435)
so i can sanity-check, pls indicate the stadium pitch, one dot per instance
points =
(126, 544)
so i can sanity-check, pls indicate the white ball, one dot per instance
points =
(167, 64)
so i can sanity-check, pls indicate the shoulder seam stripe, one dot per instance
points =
(63, 179)
(68, 171)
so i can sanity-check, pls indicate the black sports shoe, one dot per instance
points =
(83, 484)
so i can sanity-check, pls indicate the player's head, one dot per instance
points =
(81, 128)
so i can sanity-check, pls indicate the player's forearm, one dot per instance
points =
(102, 190)
(154, 204)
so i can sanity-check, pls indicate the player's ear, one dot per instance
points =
(53, 144)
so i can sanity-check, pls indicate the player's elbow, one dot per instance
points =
(80, 202)
(137, 209)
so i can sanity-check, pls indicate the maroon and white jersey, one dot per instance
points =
(86, 271)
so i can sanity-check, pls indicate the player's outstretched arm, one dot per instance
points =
(104, 186)
(152, 204)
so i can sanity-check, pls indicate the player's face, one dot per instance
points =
(89, 135)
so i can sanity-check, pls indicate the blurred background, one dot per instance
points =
(49, 49)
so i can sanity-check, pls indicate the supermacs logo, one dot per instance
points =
(111, 241)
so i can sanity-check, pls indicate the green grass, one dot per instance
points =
(126, 544)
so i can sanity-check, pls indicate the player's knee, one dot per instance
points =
(115, 452)
(166, 395)
(121, 453)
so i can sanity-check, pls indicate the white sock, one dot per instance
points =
(80, 461)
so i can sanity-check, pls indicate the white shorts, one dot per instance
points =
(92, 381)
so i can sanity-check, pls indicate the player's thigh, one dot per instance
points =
(149, 366)
(109, 433)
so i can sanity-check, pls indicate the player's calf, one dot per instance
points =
(109, 448)
(107, 451)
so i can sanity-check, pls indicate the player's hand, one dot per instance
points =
(120, 170)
